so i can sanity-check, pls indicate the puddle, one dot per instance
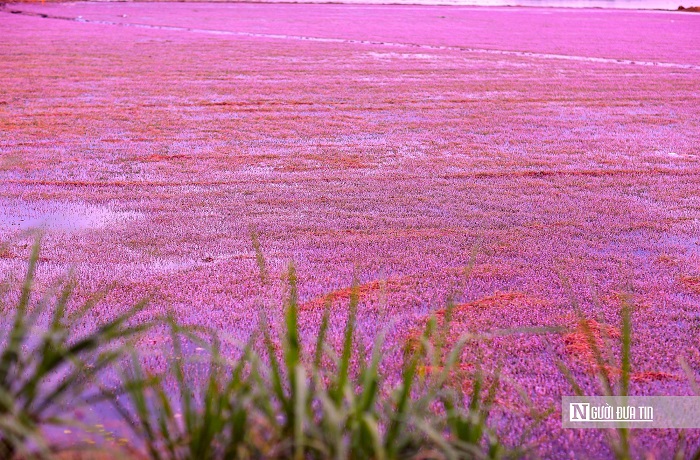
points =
(17, 215)
(684, 243)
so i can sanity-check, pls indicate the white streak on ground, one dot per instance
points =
(526, 54)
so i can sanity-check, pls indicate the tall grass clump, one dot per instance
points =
(206, 419)
(611, 373)
(46, 367)
(276, 396)
(279, 398)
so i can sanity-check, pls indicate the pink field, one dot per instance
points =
(148, 139)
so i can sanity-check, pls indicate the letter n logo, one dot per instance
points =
(579, 412)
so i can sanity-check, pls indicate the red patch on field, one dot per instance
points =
(7, 253)
(580, 345)
(652, 376)
(666, 259)
(344, 294)
(691, 282)
(499, 299)
(618, 299)
(159, 157)
(460, 373)
(372, 289)
(479, 316)
(588, 339)
(394, 284)
(611, 172)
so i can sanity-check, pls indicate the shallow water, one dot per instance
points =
(54, 215)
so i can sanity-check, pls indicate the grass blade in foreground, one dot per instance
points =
(45, 369)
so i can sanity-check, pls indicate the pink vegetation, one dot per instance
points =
(395, 140)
